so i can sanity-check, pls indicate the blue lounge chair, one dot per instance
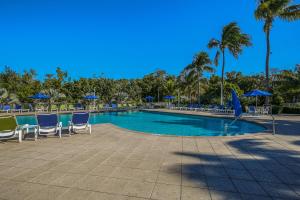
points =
(107, 107)
(114, 106)
(6, 108)
(9, 128)
(48, 124)
(79, 121)
(78, 106)
(252, 110)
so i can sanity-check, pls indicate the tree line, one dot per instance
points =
(190, 86)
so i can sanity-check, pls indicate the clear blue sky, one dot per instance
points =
(130, 38)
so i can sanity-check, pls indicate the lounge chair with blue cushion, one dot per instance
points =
(6, 108)
(9, 128)
(114, 106)
(80, 120)
(78, 106)
(252, 110)
(48, 124)
(19, 108)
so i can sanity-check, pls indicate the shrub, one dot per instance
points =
(285, 110)
(291, 110)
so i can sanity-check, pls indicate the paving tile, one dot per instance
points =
(138, 189)
(166, 192)
(194, 180)
(47, 193)
(280, 191)
(102, 170)
(10, 172)
(219, 183)
(74, 194)
(46, 177)
(256, 197)
(28, 174)
(239, 174)
(105, 196)
(220, 195)
(67, 180)
(249, 187)
(89, 182)
(112, 185)
(289, 178)
(215, 171)
(18, 190)
(190, 193)
(264, 176)
(169, 178)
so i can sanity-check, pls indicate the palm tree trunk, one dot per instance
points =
(267, 63)
(198, 89)
(222, 78)
(157, 95)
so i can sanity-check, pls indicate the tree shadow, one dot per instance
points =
(283, 127)
(255, 170)
(296, 142)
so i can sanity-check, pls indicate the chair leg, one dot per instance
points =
(59, 132)
(90, 129)
(20, 134)
(35, 134)
(70, 130)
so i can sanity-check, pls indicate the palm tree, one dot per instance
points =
(268, 11)
(7, 97)
(201, 63)
(233, 40)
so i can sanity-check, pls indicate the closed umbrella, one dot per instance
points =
(236, 104)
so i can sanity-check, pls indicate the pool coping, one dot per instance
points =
(267, 130)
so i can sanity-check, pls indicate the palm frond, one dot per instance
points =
(291, 13)
(213, 43)
(217, 57)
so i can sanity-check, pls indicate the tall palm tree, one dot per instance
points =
(200, 64)
(268, 11)
(233, 40)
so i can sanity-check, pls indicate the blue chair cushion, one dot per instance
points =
(80, 118)
(47, 120)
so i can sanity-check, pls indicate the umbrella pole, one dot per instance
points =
(256, 100)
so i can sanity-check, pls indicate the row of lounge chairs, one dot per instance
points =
(47, 124)
(16, 108)
(203, 108)
(253, 110)
(64, 107)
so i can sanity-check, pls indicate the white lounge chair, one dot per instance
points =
(9, 128)
(48, 124)
(80, 120)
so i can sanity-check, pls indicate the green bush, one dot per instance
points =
(277, 109)
(285, 110)
(291, 110)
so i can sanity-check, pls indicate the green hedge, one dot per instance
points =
(285, 110)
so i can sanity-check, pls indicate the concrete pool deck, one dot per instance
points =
(117, 164)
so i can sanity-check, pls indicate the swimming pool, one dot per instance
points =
(165, 123)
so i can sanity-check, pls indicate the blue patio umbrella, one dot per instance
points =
(39, 96)
(257, 93)
(169, 97)
(149, 98)
(236, 104)
(90, 97)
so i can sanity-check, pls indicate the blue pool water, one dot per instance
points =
(164, 123)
